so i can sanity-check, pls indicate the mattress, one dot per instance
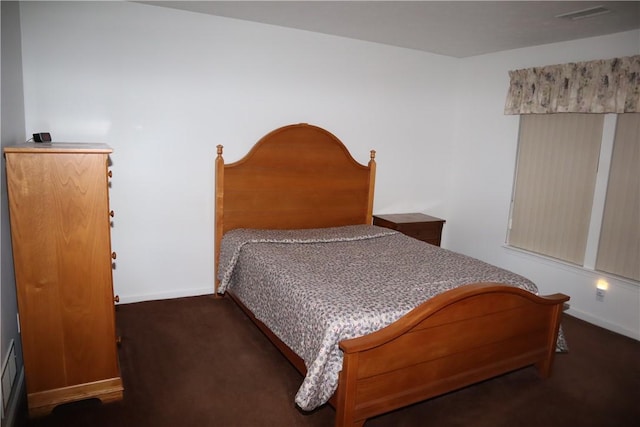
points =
(314, 288)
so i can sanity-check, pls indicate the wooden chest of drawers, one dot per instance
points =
(60, 230)
(419, 226)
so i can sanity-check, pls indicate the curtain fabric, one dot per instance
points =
(603, 86)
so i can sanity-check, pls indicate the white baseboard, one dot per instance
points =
(127, 299)
(603, 324)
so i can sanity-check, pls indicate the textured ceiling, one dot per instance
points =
(453, 28)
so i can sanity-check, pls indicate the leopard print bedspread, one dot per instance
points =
(315, 288)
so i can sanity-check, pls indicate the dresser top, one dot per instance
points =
(59, 147)
(408, 218)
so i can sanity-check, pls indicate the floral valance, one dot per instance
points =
(603, 86)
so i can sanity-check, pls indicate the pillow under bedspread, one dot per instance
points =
(315, 288)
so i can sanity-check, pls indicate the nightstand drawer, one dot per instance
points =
(419, 226)
(428, 232)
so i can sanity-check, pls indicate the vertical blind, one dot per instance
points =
(619, 247)
(554, 184)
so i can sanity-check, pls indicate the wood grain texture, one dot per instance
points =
(457, 338)
(301, 176)
(60, 226)
(298, 176)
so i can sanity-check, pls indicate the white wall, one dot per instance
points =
(482, 176)
(164, 87)
(11, 132)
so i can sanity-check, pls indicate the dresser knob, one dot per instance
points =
(110, 174)
(112, 214)
(116, 298)
(113, 255)
(118, 340)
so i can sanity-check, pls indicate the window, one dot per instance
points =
(573, 199)
(619, 247)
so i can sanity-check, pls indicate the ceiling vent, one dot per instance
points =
(584, 13)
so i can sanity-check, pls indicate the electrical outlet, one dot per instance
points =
(600, 295)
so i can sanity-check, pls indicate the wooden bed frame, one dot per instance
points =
(301, 176)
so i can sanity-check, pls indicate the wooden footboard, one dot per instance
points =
(458, 338)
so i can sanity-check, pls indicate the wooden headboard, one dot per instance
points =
(297, 176)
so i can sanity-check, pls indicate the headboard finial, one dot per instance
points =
(373, 154)
(219, 147)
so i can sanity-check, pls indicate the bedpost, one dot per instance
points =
(346, 393)
(544, 366)
(219, 210)
(372, 184)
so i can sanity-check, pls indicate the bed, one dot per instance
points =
(293, 236)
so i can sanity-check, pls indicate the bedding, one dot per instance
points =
(314, 288)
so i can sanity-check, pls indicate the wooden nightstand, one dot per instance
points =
(419, 226)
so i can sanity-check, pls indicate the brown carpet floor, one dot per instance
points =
(200, 362)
